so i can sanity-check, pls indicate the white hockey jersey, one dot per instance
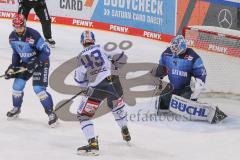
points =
(93, 66)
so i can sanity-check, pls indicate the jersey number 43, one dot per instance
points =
(93, 60)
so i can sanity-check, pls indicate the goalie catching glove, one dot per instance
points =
(159, 71)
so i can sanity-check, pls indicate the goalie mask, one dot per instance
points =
(87, 38)
(178, 45)
(19, 24)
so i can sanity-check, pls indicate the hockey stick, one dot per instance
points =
(56, 109)
(22, 69)
(82, 91)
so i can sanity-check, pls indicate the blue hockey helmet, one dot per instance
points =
(178, 45)
(87, 37)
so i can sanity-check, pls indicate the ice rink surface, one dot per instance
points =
(30, 138)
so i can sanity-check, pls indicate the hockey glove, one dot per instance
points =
(159, 71)
(197, 86)
(118, 59)
(9, 73)
(33, 64)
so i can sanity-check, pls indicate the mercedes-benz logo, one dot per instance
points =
(225, 18)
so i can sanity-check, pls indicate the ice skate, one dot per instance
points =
(92, 149)
(53, 120)
(125, 134)
(14, 113)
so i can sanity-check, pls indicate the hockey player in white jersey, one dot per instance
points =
(94, 73)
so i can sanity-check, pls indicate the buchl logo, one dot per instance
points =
(8, 1)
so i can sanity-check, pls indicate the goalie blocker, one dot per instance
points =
(193, 110)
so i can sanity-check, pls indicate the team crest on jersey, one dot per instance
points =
(20, 47)
(175, 62)
(30, 40)
(188, 57)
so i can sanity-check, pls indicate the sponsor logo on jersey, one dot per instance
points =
(179, 73)
(183, 107)
(27, 55)
(88, 49)
(45, 75)
(98, 71)
(91, 107)
(30, 40)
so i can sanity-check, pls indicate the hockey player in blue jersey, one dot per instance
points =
(30, 52)
(186, 72)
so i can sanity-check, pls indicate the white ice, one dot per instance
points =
(30, 138)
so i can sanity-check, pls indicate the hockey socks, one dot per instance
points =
(120, 116)
(88, 129)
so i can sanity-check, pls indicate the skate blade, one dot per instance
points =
(92, 153)
(15, 117)
(54, 125)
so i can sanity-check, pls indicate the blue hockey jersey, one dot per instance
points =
(28, 46)
(182, 67)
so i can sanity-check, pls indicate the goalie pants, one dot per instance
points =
(164, 100)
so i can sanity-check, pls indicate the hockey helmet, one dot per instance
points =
(87, 37)
(19, 23)
(178, 45)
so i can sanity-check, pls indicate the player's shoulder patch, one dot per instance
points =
(188, 57)
(191, 54)
(34, 34)
(167, 52)
(12, 36)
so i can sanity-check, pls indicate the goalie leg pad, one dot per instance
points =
(194, 110)
(191, 110)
